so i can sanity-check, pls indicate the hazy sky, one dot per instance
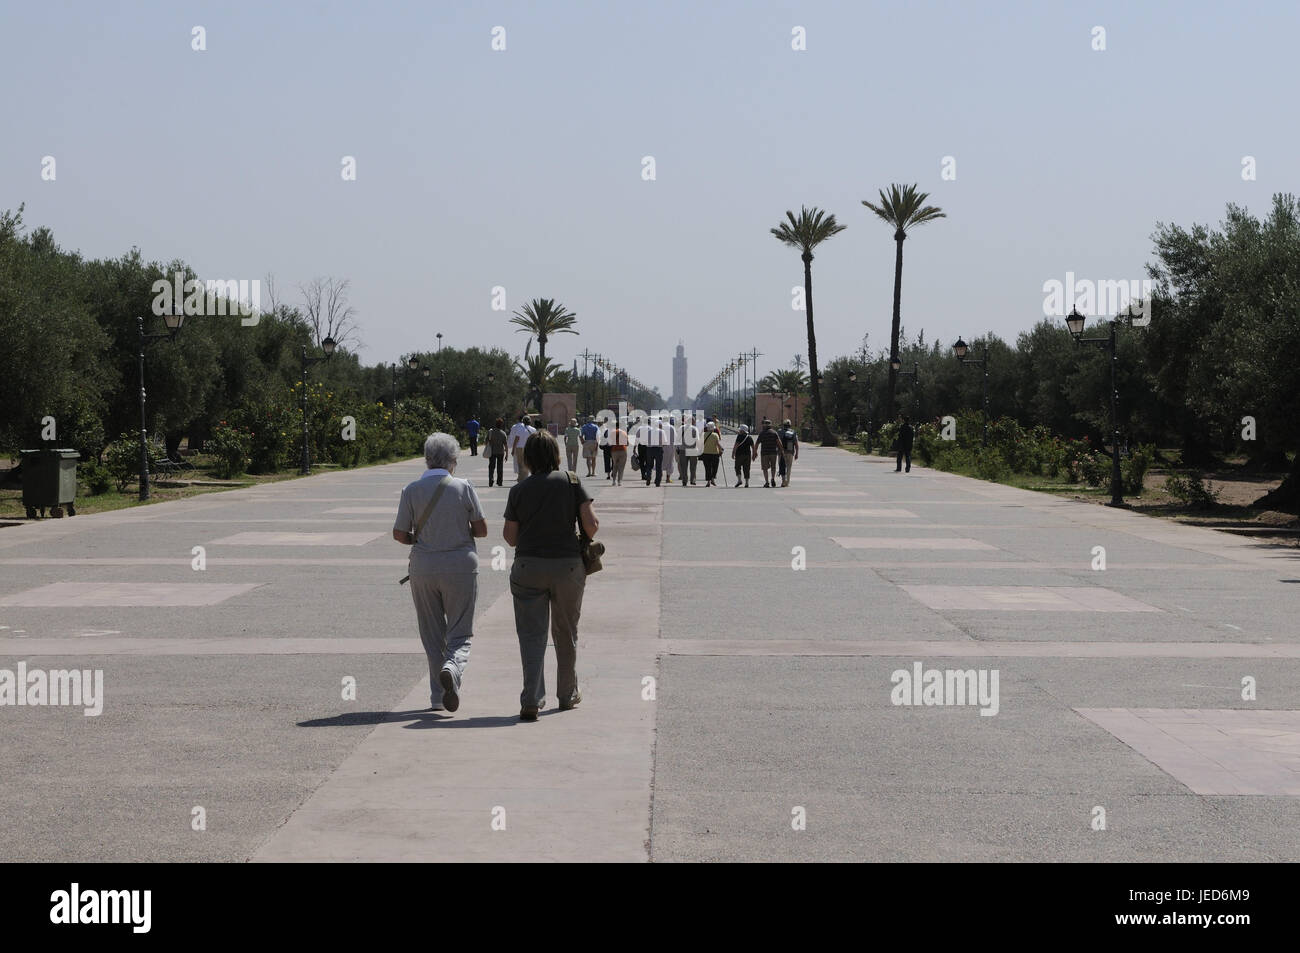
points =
(522, 168)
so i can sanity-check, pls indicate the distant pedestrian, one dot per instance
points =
(769, 446)
(671, 436)
(519, 435)
(616, 452)
(572, 444)
(494, 447)
(905, 436)
(590, 444)
(688, 450)
(743, 451)
(603, 440)
(711, 453)
(472, 428)
(547, 580)
(789, 450)
(439, 517)
(649, 439)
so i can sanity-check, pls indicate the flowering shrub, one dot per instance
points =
(1191, 491)
(1011, 448)
(1094, 468)
(97, 478)
(273, 427)
(123, 459)
(1134, 468)
(229, 447)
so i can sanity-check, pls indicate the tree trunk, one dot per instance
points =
(828, 438)
(899, 235)
(1286, 497)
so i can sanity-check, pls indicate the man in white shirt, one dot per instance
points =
(689, 448)
(670, 432)
(669, 441)
(515, 441)
(649, 443)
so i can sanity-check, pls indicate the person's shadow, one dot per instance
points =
(423, 718)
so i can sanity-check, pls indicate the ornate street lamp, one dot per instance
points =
(1075, 322)
(961, 349)
(327, 346)
(412, 363)
(173, 322)
(915, 374)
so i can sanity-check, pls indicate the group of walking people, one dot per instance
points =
(440, 516)
(654, 446)
(657, 446)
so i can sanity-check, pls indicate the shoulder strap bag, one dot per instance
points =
(424, 517)
(588, 548)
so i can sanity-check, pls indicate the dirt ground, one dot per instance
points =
(1236, 492)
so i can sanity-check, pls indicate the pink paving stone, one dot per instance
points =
(835, 511)
(297, 539)
(63, 594)
(900, 542)
(1025, 599)
(1213, 752)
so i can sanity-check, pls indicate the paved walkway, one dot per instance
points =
(741, 657)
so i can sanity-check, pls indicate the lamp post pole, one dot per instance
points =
(961, 348)
(915, 374)
(1110, 344)
(307, 361)
(174, 322)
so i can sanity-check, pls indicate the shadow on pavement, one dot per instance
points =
(484, 721)
(373, 718)
(418, 719)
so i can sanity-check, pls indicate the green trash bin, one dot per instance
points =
(50, 481)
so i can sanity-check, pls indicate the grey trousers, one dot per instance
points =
(444, 606)
(691, 464)
(547, 593)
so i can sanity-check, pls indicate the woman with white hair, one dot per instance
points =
(743, 452)
(439, 517)
(711, 453)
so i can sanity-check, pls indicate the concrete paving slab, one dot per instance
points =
(71, 594)
(1025, 599)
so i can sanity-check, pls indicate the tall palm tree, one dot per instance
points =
(785, 382)
(540, 373)
(806, 232)
(543, 317)
(902, 208)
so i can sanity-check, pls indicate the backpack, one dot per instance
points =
(788, 439)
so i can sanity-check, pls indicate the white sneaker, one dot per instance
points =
(450, 690)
